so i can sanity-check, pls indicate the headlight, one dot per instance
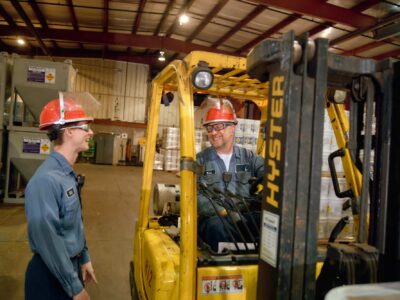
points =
(202, 77)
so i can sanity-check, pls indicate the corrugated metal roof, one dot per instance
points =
(137, 30)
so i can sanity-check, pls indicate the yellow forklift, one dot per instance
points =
(293, 74)
(163, 268)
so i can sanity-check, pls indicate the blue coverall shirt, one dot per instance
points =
(244, 164)
(55, 227)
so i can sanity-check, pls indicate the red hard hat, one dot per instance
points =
(221, 112)
(52, 115)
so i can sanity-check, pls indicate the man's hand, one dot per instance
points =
(88, 273)
(83, 295)
(223, 213)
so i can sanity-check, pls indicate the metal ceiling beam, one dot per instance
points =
(136, 24)
(357, 8)
(30, 27)
(122, 56)
(38, 13)
(105, 16)
(322, 10)
(383, 22)
(183, 9)
(256, 11)
(7, 17)
(110, 38)
(74, 19)
(73, 16)
(393, 53)
(320, 28)
(169, 6)
(365, 5)
(364, 48)
(40, 17)
(217, 8)
(268, 33)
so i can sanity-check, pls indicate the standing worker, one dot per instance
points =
(227, 167)
(61, 263)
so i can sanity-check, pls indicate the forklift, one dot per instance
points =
(167, 266)
(300, 79)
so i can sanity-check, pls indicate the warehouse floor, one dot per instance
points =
(110, 208)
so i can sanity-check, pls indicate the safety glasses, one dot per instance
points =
(217, 127)
(85, 127)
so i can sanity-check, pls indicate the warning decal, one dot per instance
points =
(269, 238)
(42, 75)
(222, 284)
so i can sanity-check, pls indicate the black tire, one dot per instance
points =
(134, 292)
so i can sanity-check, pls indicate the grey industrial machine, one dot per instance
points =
(34, 84)
(5, 79)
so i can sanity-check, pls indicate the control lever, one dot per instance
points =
(254, 182)
(240, 216)
(229, 214)
(206, 193)
(231, 194)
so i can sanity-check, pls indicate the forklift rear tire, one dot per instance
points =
(134, 293)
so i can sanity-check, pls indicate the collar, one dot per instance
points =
(236, 152)
(65, 166)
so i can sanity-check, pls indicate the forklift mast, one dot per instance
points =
(300, 73)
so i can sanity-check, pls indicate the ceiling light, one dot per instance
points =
(326, 32)
(161, 57)
(183, 19)
(387, 31)
(21, 41)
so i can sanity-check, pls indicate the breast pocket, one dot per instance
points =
(243, 185)
(212, 179)
(71, 214)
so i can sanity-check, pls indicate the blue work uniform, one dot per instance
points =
(55, 231)
(244, 164)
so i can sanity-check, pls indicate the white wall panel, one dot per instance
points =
(120, 87)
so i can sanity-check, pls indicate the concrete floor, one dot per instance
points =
(110, 207)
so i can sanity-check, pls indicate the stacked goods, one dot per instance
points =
(170, 148)
(331, 210)
(198, 139)
(158, 161)
(170, 138)
(246, 133)
(330, 205)
(239, 131)
(329, 146)
(171, 159)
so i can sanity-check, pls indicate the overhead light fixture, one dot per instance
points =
(183, 19)
(21, 41)
(387, 31)
(161, 57)
(202, 77)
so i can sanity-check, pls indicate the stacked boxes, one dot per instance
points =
(158, 161)
(170, 148)
(246, 133)
(329, 146)
(331, 209)
(198, 139)
(170, 138)
(171, 159)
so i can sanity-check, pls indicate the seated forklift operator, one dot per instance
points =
(227, 169)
